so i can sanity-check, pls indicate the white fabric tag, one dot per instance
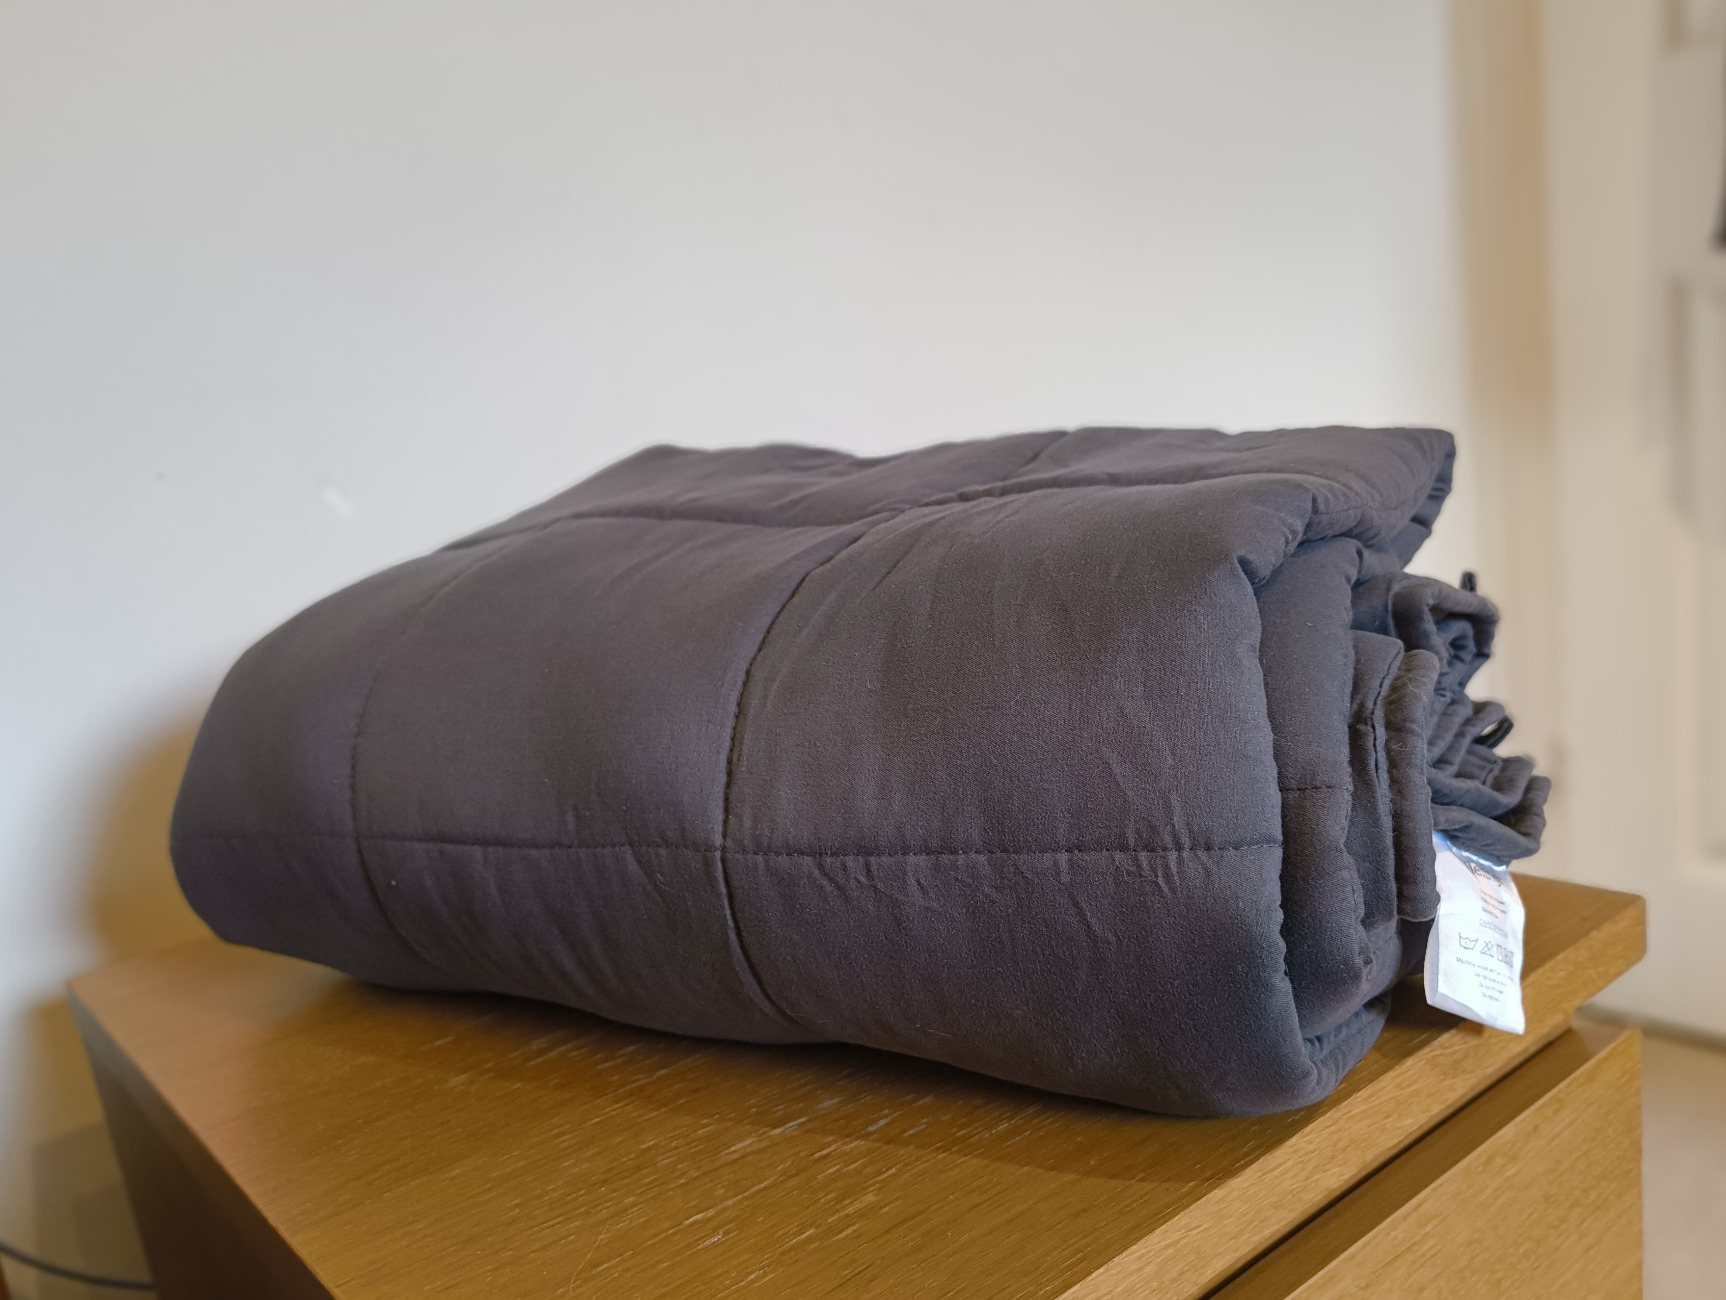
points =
(1474, 955)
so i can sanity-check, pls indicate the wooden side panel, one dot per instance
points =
(1533, 1190)
(204, 1240)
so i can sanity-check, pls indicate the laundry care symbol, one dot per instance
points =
(1468, 941)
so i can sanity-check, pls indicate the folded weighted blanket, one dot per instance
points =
(1105, 761)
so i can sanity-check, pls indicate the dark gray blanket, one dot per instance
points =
(1105, 761)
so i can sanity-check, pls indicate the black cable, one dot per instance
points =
(72, 1274)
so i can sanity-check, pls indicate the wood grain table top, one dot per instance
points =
(413, 1144)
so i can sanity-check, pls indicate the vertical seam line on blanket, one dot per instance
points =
(734, 742)
(360, 726)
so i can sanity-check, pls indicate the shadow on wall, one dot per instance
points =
(133, 902)
(133, 906)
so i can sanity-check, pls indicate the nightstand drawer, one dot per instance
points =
(1531, 1190)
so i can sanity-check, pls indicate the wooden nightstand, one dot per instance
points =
(288, 1132)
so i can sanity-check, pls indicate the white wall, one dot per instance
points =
(289, 291)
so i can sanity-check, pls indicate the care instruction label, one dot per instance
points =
(1474, 955)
